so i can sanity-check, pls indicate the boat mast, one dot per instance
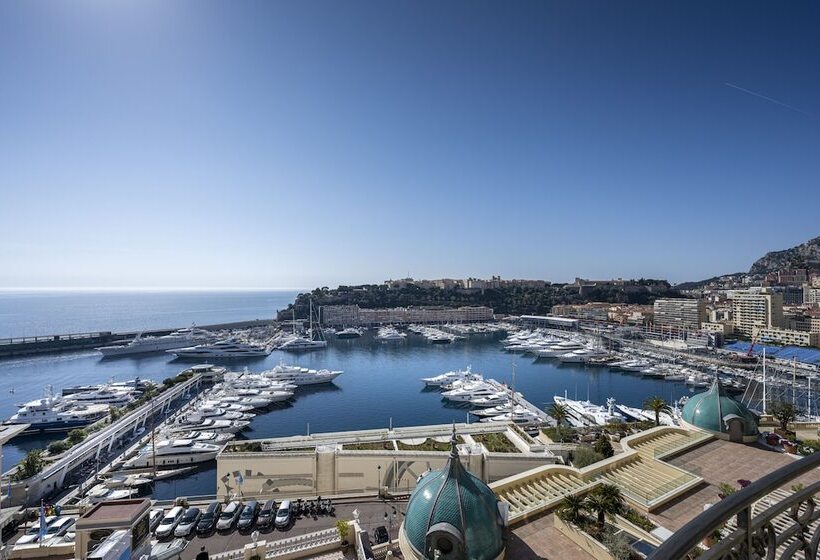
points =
(153, 442)
(764, 380)
(794, 380)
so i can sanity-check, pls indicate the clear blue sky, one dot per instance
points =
(294, 144)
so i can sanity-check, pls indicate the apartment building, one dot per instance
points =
(351, 315)
(684, 314)
(755, 309)
(788, 337)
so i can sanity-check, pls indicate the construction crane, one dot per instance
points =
(752, 346)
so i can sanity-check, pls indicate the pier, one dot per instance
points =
(52, 478)
(49, 344)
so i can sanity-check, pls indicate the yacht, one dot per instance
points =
(230, 406)
(108, 395)
(581, 356)
(53, 414)
(198, 422)
(145, 344)
(497, 410)
(174, 452)
(349, 332)
(519, 416)
(498, 399)
(207, 437)
(253, 402)
(559, 349)
(135, 385)
(387, 334)
(218, 413)
(302, 344)
(224, 349)
(299, 376)
(587, 412)
(450, 376)
(470, 391)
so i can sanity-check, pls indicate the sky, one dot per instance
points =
(298, 144)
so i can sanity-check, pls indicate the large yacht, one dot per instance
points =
(174, 452)
(196, 421)
(107, 395)
(559, 349)
(207, 437)
(54, 414)
(349, 332)
(388, 334)
(302, 344)
(519, 416)
(299, 376)
(224, 349)
(450, 376)
(469, 391)
(145, 344)
(586, 412)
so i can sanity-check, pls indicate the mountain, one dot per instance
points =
(805, 255)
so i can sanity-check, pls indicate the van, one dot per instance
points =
(266, 515)
(283, 515)
(59, 527)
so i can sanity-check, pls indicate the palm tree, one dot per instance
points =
(559, 413)
(572, 507)
(604, 500)
(657, 405)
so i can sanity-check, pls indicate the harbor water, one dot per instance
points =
(381, 383)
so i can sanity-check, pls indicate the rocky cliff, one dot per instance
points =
(805, 255)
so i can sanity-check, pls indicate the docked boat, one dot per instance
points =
(207, 437)
(388, 334)
(581, 356)
(559, 349)
(349, 332)
(518, 416)
(218, 413)
(450, 376)
(54, 414)
(174, 452)
(299, 376)
(470, 391)
(222, 350)
(107, 395)
(587, 412)
(102, 493)
(194, 421)
(498, 399)
(145, 344)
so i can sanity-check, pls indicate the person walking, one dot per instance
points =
(203, 554)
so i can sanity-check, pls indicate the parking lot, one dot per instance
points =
(371, 515)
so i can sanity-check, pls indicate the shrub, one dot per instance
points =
(603, 446)
(76, 436)
(31, 464)
(617, 544)
(57, 447)
(584, 456)
(343, 527)
(639, 519)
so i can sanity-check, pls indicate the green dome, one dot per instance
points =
(712, 409)
(453, 511)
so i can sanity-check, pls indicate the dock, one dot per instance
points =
(522, 402)
(49, 344)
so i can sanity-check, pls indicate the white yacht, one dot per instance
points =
(559, 349)
(388, 334)
(230, 406)
(174, 452)
(470, 391)
(254, 402)
(519, 416)
(349, 332)
(300, 376)
(218, 413)
(591, 413)
(450, 376)
(224, 349)
(207, 437)
(302, 344)
(53, 414)
(581, 356)
(497, 410)
(108, 395)
(198, 422)
(498, 399)
(145, 344)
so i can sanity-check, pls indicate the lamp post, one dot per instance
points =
(379, 480)
(25, 505)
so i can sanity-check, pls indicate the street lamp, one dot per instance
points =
(25, 505)
(379, 479)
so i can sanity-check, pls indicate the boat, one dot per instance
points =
(102, 493)
(450, 376)
(499, 399)
(54, 414)
(207, 437)
(299, 376)
(174, 452)
(581, 356)
(559, 349)
(222, 350)
(496, 410)
(632, 414)
(145, 344)
(108, 395)
(522, 416)
(587, 412)
(194, 421)
(297, 343)
(388, 334)
(218, 413)
(135, 386)
(349, 332)
(469, 391)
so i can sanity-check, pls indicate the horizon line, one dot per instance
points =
(145, 289)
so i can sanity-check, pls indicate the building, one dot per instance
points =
(547, 321)
(791, 277)
(453, 515)
(724, 328)
(788, 337)
(811, 295)
(718, 413)
(756, 309)
(106, 518)
(353, 315)
(682, 314)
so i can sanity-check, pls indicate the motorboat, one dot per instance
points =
(224, 350)
(302, 344)
(349, 332)
(229, 398)
(300, 376)
(498, 399)
(102, 493)
(219, 413)
(470, 391)
(590, 413)
(207, 437)
(496, 410)
(580, 356)
(174, 452)
(524, 416)
(108, 395)
(144, 344)
(54, 414)
(195, 421)
(388, 334)
(559, 349)
(450, 376)
(228, 406)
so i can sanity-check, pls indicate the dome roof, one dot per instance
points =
(455, 512)
(711, 409)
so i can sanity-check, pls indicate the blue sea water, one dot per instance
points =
(381, 382)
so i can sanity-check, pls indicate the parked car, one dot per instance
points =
(207, 522)
(380, 535)
(266, 515)
(229, 516)
(169, 522)
(154, 518)
(59, 527)
(33, 533)
(248, 516)
(188, 522)
(283, 515)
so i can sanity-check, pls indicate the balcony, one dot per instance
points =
(775, 517)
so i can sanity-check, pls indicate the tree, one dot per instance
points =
(605, 500)
(784, 413)
(585, 456)
(31, 464)
(572, 508)
(603, 446)
(76, 436)
(559, 413)
(343, 527)
(657, 405)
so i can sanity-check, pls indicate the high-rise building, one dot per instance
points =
(755, 309)
(684, 314)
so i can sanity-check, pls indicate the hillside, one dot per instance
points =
(805, 255)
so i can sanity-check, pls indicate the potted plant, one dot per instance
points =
(343, 528)
(712, 538)
(725, 490)
(789, 446)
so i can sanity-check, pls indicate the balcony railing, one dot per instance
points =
(752, 527)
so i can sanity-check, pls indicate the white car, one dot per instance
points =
(169, 522)
(33, 533)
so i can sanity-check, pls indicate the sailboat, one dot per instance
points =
(314, 341)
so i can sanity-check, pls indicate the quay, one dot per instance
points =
(48, 344)
(52, 479)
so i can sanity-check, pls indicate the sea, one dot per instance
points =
(380, 384)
